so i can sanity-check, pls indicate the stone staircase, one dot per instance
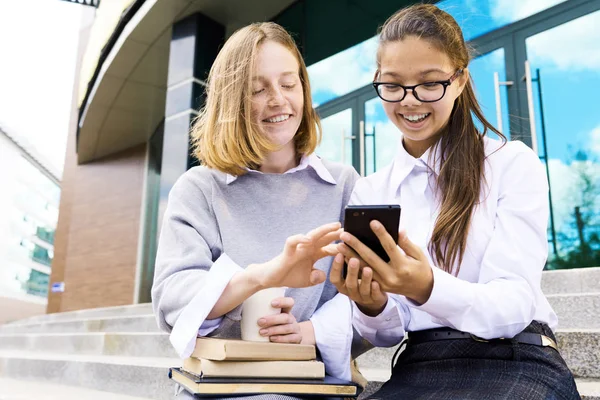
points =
(119, 352)
(575, 296)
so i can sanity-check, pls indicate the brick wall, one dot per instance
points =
(98, 229)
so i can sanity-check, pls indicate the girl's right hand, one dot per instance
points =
(365, 292)
(294, 267)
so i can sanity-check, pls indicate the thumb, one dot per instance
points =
(329, 250)
(411, 249)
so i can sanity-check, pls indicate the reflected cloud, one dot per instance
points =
(572, 46)
(572, 185)
(566, 184)
(343, 72)
(387, 142)
(561, 47)
(509, 11)
(562, 177)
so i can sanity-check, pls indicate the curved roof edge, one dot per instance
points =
(125, 17)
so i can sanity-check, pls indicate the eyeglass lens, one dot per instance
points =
(425, 92)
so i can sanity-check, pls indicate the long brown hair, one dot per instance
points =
(224, 135)
(461, 150)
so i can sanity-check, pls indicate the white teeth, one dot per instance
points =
(415, 118)
(278, 119)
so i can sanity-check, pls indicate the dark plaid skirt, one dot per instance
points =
(467, 369)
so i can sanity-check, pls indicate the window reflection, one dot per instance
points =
(566, 59)
(382, 137)
(354, 67)
(343, 72)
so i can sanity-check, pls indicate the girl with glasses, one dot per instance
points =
(251, 217)
(462, 286)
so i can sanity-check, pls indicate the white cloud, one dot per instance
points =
(572, 46)
(345, 71)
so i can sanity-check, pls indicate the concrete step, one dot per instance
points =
(134, 376)
(92, 313)
(579, 280)
(580, 349)
(13, 389)
(137, 323)
(128, 344)
(578, 310)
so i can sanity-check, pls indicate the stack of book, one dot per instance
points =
(220, 367)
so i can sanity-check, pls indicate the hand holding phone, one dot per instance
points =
(357, 222)
(409, 272)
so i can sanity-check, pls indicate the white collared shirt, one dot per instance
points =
(497, 292)
(312, 161)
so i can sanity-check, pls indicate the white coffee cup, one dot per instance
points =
(254, 308)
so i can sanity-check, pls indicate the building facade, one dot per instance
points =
(28, 217)
(142, 71)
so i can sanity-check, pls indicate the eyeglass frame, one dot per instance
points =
(444, 83)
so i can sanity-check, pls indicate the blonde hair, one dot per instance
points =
(224, 135)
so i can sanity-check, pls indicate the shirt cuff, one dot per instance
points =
(332, 324)
(193, 317)
(383, 330)
(209, 325)
(446, 286)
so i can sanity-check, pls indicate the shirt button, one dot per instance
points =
(388, 319)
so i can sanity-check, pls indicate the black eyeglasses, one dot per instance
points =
(427, 92)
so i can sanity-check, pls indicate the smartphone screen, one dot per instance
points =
(357, 221)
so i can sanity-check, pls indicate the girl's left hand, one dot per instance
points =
(407, 274)
(283, 327)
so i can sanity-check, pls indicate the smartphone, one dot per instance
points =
(357, 221)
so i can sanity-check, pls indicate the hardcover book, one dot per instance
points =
(211, 387)
(239, 350)
(255, 369)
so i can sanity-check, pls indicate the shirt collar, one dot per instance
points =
(404, 163)
(312, 161)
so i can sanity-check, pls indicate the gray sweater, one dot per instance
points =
(249, 220)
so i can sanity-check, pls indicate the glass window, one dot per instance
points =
(336, 144)
(565, 62)
(382, 137)
(36, 283)
(354, 67)
(42, 255)
(343, 72)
